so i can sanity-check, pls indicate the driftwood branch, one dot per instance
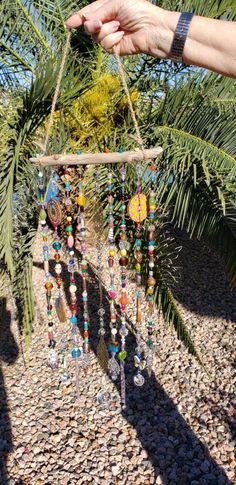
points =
(97, 158)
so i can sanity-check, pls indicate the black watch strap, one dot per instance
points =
(181, 33)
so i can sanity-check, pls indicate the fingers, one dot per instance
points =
(102, 10)
(92, 26)
(99, 30)
(110, 41)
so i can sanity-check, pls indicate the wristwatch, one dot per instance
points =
(180, 36)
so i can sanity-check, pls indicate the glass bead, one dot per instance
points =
(69, 229)
(123, 261)
(122, 355)
(53, 359)
(65, 378)
(101, 312)
(123, 252)
(124, 331)
(139, 380)
(48, 285)
(113, 331)
(73, 289)
(73, 320)
(76, 353)
(113, 348)
(124, 300)
(56, 245)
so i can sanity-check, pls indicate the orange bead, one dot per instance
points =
(86, 334)
(48, 285)
(124, 300)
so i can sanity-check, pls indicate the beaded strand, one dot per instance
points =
(123, 261)
(151, 280)
(76, 350)
(52, 355)
(82, 230)
(113, 346)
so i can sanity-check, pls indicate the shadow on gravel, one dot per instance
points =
(172, 447)
(202, 284)
(8, 354)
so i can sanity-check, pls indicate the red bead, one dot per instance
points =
(123, 261)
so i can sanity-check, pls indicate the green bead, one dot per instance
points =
(150, 344)
(69, 229)
(122, 355)
(42, 215)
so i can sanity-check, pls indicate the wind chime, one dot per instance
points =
(112, 354)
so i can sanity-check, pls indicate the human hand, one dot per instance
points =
(133, 26)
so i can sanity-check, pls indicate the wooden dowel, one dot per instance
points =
(98, 158)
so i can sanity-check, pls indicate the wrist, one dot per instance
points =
(164, 26)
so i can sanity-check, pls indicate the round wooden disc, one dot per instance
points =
(54, 212)
(137, 208)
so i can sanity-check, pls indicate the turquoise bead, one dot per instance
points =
(76, 353)
(56, 245)
(69, 229)
(113, 348)
(86, 326)
(73, 320)
(151, 216)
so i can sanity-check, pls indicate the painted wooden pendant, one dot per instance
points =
(137, 208)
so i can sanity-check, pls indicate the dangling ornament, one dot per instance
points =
(82, 231)
(52, 355)
(123, 300)
(138, 212)
(113, 346)
(77, 349)
(151, 282)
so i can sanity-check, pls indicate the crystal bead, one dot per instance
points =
(139, 380)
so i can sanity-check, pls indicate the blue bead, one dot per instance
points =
(138, 243)
(78, 152)
(76, 353)
(151, 216)
(71, 261)
(151, 243)
(73, 320)
(45, 248)
(113, 348)
(45, 256)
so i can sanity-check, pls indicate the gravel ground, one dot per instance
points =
(178, 429)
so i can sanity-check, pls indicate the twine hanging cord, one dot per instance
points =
(57, 93)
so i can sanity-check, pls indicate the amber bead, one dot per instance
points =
(123, 261)
(57, 257)
(86, 334)
(151, 281)
(138, 255)
(48, 285)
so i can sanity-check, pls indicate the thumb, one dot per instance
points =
(103, 10)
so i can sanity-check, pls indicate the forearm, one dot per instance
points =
(210, 43)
